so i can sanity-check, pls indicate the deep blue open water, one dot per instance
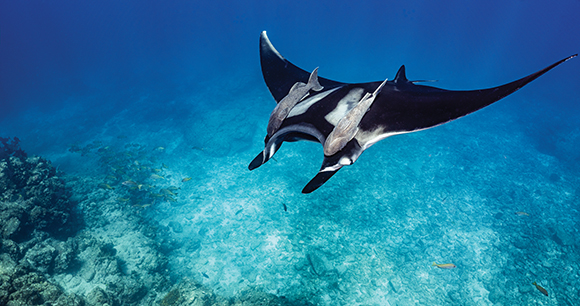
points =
(108, 89)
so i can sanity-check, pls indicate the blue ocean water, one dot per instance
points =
(179, 86)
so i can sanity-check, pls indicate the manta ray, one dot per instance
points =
(349, 118)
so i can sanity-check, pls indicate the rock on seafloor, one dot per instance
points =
(190, 293)
(22, 285)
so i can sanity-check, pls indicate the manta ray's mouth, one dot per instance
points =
(296, 132)
(290, 133)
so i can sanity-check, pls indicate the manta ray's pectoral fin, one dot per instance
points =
(280, 74)
(318, 180)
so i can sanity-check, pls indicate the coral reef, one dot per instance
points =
(11, 147)
(34, 211)
(32, 197)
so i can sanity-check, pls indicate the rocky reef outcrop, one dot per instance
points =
(36, 223)
(32, 198)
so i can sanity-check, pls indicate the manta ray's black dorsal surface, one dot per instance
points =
(353, 117)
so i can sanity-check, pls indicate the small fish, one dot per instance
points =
(285, 208)
(156, 195)
(170, 199)
(444, 266)
(157, 170)
(142, 205)
(542, 290)
(186, 179)
(129, 183)
(156, 177)
(348, 126)
(106, 186)
(168, 192)
(123, 199)
(164, 166)
(133, 185)
(204, 275)
(198, 148)
(159, 148)
(521, 213)
(173, 188)
(239, 211)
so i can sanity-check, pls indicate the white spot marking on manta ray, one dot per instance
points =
(303, 106)
(345, 161)
(368, 138)
(344, 105)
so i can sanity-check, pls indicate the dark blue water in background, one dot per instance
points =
(52, 52)
(183, 74)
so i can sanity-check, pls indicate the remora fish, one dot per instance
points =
(298, 91)
(347, 126)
